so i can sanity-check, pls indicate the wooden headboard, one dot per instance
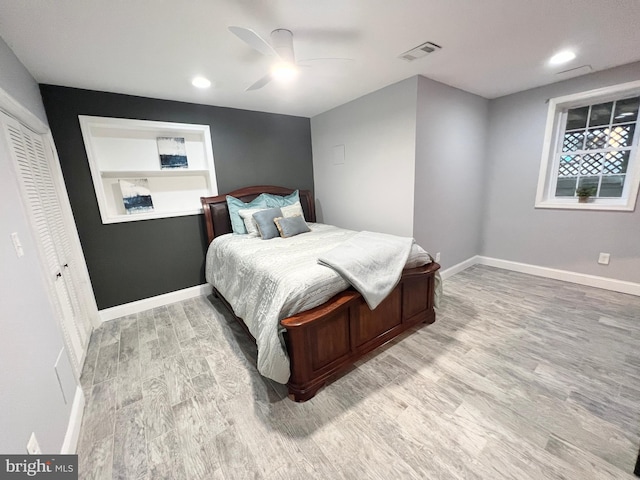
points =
(216, 213)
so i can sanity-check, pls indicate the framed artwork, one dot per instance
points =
(136, 195)
(173, 152)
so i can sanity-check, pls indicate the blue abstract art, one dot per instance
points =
(136, 195)
(173, 152)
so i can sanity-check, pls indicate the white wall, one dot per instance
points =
(414, 155)
(16, 80)
(564, 239)
(459, 173)
(373, 189)
(30, 399)
(449, 174)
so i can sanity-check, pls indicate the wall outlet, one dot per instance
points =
(604, 258)
(438, 257)
(32, 445)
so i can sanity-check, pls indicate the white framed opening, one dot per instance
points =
(121, 149)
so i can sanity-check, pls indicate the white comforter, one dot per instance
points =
(268, 280)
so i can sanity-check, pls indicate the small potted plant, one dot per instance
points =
(585, 192)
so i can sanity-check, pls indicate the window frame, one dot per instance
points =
(556, 120)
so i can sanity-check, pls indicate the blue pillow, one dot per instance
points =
(278, 201)
(266, 226)
(234, 204)
(290, 226)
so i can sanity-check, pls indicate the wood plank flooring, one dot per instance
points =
(519, 378)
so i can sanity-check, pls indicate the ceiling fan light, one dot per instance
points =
(284, 72)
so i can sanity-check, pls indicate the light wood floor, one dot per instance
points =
(519, 378)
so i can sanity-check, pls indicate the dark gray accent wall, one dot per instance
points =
(136, 260)
(513, 229)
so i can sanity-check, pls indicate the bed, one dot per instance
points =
(322, 342)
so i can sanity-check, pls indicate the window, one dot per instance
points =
(591, 142)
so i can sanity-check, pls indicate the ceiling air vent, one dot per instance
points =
(584, 69)
(419, 51)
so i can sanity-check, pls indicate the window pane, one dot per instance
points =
(612, 186)
(589, 182)
(591, 164)
(600, 114)
(596, 138)
(616, 162)
(626, 110)
(622, 135)
(577, 118)
(569, 165)
(566, 187)
(573, 141)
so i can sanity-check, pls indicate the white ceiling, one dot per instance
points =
(153, 48)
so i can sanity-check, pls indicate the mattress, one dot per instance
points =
(267, 280)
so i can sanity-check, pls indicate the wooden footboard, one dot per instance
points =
(327, 340)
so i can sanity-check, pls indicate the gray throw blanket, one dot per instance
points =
(371, 262)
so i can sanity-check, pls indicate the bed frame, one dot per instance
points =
(325, 341)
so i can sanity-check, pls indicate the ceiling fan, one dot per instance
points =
(280, 47)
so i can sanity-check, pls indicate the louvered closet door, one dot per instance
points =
(32, 160)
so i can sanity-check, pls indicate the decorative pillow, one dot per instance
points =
(279, 201)
(234, 204)
(250, 224)
(290, 226)
(292, 210)
(266, 226)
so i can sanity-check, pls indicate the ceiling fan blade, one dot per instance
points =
(260, 83)
(254, 40)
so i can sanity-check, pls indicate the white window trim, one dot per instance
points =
(545, 197)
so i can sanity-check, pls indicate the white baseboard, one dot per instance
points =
(605, 283)
(70, 443)
(565, 275)
(153, 302)
(470, 262)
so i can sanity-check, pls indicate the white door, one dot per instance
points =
(32, 157)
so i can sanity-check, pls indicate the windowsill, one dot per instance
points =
(621, 205)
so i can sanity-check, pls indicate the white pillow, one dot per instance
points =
(249, 222)
(292, 210)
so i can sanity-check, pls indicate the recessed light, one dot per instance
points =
(201, 82)
(562, 57)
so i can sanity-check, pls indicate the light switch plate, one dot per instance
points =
(17, 244)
